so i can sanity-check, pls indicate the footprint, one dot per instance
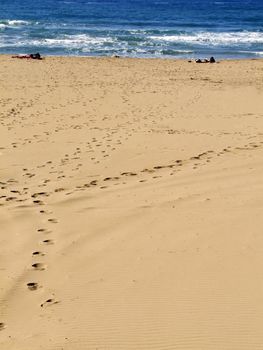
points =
(48, 241)
(2, 326)
(129, 174)
(157, 167)
(32, 286)
(39, 202)
(38, 266)
(54, 221)
(49, 302)
(107, 179)
(44, 230)
(38, 253)
(60, 189)
(8, 199)
(35, 195)
(45, 212)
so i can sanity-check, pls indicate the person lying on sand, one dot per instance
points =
(211, 60)
(33, 56)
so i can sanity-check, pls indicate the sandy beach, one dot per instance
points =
(131, 204)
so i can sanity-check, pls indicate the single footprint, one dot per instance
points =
(35, 195)
(38, 266)
(49, 302)
(107, 178)
(44, 230)
(38, 253)
(2, 326)
(54, 221)
(60, 189)
(39, 202)
(45, 212)
(158, 167)
(48, 241)
(93, 182)
(8, 199)
(32, 286)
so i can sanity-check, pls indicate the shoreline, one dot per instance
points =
(143, 58)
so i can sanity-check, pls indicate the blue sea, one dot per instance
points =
(133, 28)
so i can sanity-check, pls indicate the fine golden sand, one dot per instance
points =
(131, 204)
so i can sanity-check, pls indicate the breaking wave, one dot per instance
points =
(149, 28)
(208, 38)
(12, 23)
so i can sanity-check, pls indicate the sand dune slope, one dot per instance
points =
(131, 204)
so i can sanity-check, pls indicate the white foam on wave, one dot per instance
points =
(80, 41)
(204, 38)
(149, 45)
(184, 51)
(8, 23)
(17, 22)
(257, 53)
(69, 42)
(77, 41)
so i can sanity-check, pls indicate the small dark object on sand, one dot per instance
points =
(33, 56)
(199, 60)
(36, 56)
(205, 60)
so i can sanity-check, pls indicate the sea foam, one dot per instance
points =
(212, 38)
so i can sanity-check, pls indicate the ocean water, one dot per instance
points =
(134, 28)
